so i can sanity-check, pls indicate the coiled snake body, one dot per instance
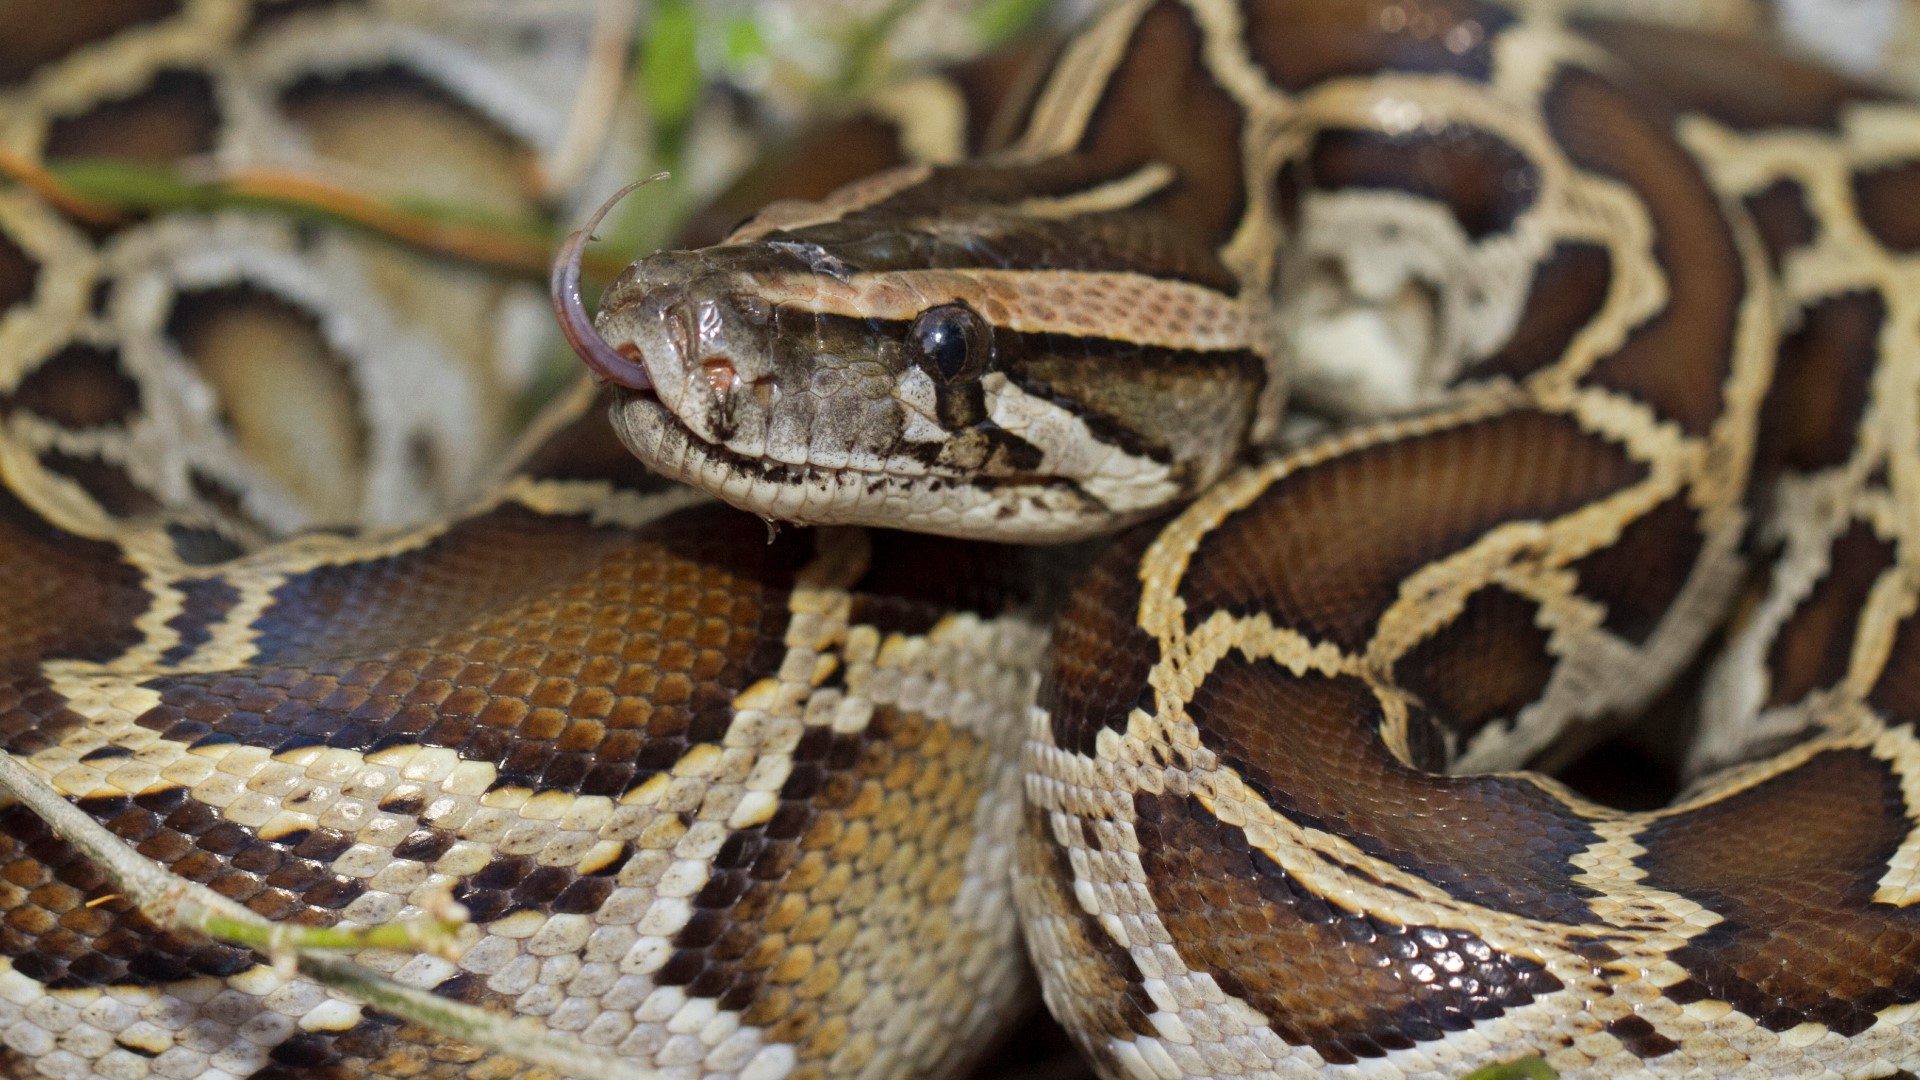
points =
(1607, 328)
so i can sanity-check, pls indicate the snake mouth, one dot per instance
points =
(623, 365)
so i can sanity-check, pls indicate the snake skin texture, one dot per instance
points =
(1600, 346)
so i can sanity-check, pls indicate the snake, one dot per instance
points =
(1166, 512)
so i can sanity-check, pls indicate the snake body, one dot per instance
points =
(1498, 362)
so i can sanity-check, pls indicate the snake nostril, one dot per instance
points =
(629, 350)
(720, 375)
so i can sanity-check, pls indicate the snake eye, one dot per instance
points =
(952, 342)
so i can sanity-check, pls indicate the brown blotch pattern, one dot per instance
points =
(1163, 105)
(1303, 42)
(873, 828)
(1310, 746)
(1639, 575)
(1896, 693)
(356, 117)
(1101, 657)
(1678, 360)
(811, 168)
(1739, 81)
(1887, 200)
(1325, 550)
(1346, 983)
(52, 935)
(1569, 289)
(19, 273)
(1170, 405)
(107, 482)
(65, 596)
(1780, 213)
(1821, 385)
(1487, 664)
(174, 118)
(1482, 179)
(1791, 863)
(29, 40)
(1640, 1038)
(205, 602)
(572, 657)
(1105, 992)
(254, 347)
(80, 386)
(1811, 648)
(33, 716)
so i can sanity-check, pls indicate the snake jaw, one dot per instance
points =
(622, 365)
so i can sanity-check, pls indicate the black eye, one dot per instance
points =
(951, 342)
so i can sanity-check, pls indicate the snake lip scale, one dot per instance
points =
(1245, 443)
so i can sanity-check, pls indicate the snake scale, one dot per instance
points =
(1452, 374)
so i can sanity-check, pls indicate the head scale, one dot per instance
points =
(933, 363)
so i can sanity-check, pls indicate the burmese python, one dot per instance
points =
(1644, 304)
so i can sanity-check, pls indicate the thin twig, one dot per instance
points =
(177, 904)
(602, 83)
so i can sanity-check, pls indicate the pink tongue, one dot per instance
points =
(623, 366)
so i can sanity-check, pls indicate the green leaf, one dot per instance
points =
(997, 21)
(670, 75)
(1532, 1068)
(744, 42)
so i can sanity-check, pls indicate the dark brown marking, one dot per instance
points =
(1303, 42)
(1325, 549)
(174, 118)
(1100, 655)
(1165, 404)
(811, 168)
(344, 111)
(1163, 105)
(1107, 997)
(1001, 90)
(1639, 575)
(30, 40)
(66, 596)
(575, 657)
(1896, 692)
(1780, 213)
(1888, 202)
(1791, 864)
(855, 800)
(1678, 360)
(1739, 81)
(971, 201)
(1481, 178)
(65, 927)
(199, 546)
(912, 580)
(1811, 649)
(80, 386)
(1569, 289)
(1820, 387)
(1310, 745)
(206, 602)
(1487, 664)
(1640, 1038)
(1348, 984)
(109, 483)
(19, 272)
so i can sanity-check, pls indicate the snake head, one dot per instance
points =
(941, 369)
